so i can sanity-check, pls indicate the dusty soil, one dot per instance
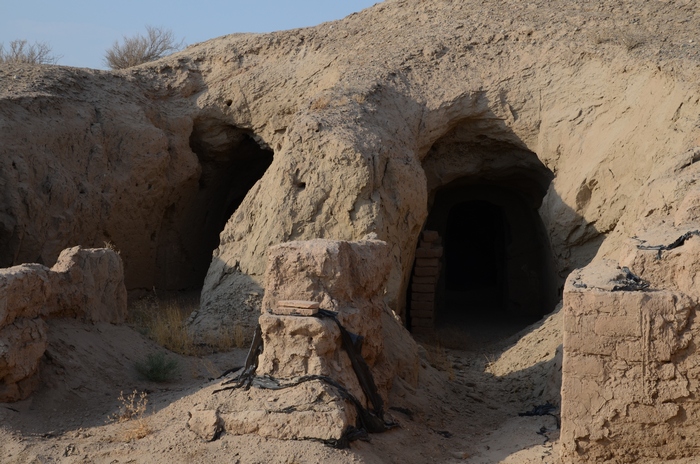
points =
(465, 409)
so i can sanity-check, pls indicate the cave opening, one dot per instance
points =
(496, 274)
(484, 268)
(231, 161)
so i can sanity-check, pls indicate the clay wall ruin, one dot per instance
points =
(630, 381)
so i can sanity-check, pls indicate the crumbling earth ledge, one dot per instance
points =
(87, 284)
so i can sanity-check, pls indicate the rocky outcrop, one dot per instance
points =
(349, 279)
(87, 284)
(367, 118)
(195, 165)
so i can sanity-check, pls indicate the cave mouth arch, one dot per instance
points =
(484, 268)
(231, 161)
(496, 273)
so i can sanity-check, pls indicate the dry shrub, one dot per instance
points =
(157, 43)
(228, 337)
(132, 408)
(163, 321)
(111, 246)
(158, 368)
(21, 51)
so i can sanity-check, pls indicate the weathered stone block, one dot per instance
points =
(22, 344)
(205, 423)
(618, 326)
(84, 283)
(626, 379)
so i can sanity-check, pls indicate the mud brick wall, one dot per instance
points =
(424, 281)
(631, 373)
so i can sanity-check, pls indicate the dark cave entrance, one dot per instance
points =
(484, 268)
(232, 160)
(496, 274)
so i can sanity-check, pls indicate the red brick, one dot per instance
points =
(427, 262)
(416, 296)
(429, 252)
(425, 271)
(423, 288)
(430, 236)
(422, 305)
(425, 279)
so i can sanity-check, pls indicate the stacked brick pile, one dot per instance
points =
(425, 277)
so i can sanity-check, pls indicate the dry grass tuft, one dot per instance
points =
(140, 429)
(228, 337)
(164, 322)
(133, 407)
(111, 246)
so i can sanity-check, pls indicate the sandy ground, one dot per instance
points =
(464, 410)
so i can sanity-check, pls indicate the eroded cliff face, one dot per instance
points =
(351, 128)
(194, 165)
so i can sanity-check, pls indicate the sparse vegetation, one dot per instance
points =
(164, 320)
(21, 51)
(158, 368)
(111, 246)
(132, 51)
(132, 407)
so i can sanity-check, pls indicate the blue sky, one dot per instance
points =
(81, 30)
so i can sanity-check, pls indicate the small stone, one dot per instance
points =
(206, 424)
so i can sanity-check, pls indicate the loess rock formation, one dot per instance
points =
(83, 284)
(580, 117)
